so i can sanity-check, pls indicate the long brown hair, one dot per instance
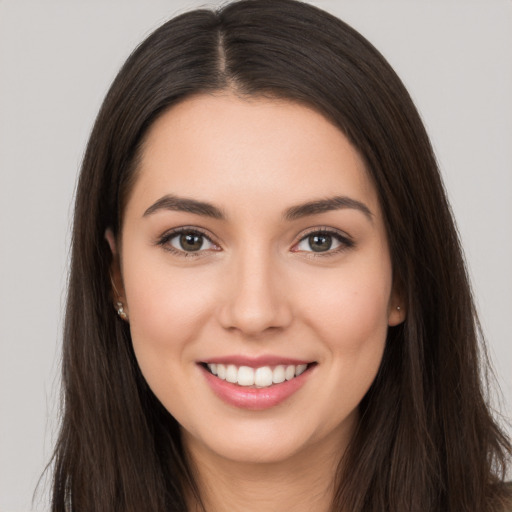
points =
(426, 440)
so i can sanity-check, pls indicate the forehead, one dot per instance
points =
(248, 153)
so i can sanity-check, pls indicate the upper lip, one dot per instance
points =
(255, 362)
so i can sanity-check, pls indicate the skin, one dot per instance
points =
(256, 289)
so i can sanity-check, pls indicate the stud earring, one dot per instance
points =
(120, 311)
(398, 308)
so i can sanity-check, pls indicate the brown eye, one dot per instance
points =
(187, 242)
(324, 242)
(191, 242)
(320, 242)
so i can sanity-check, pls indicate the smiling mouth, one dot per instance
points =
(262, 377)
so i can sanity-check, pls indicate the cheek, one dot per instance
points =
(349, 314)
(351, 302)
(166, 310)
(350, 320)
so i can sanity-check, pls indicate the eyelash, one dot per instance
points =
(164, 240)
(344, 240)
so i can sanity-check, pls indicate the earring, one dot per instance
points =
(398, 308)
(119, 305)
(120, 311)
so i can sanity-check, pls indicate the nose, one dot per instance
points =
(255, 299)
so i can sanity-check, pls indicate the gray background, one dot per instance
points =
(57, 59)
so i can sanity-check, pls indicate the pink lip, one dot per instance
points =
(255, 362)
(255, 399)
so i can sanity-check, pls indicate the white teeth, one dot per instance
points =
(278, 375)
(289, 373)
(301, 368)
(245, 376)
(261, 377)
(221, 371)
(232, 373)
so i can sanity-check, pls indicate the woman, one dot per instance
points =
(268, 306)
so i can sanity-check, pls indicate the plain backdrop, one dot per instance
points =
(57, 59)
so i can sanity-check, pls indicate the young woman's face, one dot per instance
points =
(253, 242)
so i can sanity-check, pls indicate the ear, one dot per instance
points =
(396, 308)
(116, 278)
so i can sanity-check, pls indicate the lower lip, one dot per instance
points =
(255, 399)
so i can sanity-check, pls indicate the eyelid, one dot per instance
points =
(164, 239)
(346, 240)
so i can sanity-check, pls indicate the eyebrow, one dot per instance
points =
(183, 204)
(326, 205)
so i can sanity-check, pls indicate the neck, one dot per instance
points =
(303, 482)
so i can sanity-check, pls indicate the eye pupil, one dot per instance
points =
(320, 243)
(191, 242)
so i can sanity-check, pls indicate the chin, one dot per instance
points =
(244, 449)
(270, 441)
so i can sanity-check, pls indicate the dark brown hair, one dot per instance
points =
(426, 440)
